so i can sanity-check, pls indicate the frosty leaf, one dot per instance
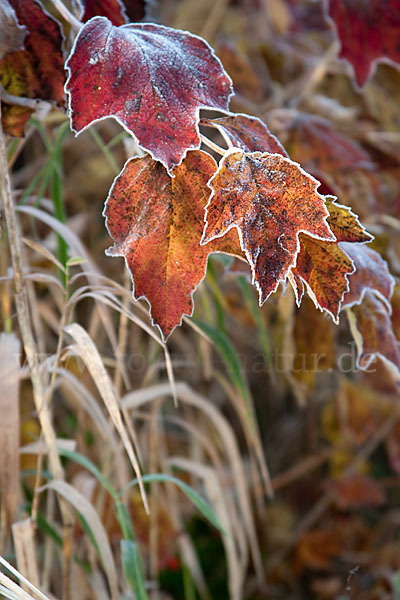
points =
(247, 133)
(324, 266)
(38, 70)
(156, 222)
(372, 331)
(345, 224)
(325, 269)
(297, 284)
(371, 274)
(270, 200)
(117, 11)
(151, 78)
(368, 31)
(12, 35)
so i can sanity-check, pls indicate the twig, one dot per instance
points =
(33, 103)
(212, 145)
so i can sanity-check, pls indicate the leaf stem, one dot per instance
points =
(212, 145)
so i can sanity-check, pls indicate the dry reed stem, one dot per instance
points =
(23, 315)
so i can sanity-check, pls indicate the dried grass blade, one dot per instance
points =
(43, 252)
(87, 510)
(87, 350)
(10, 349)
(10, 585)
(136, 399)
(236, 569)
(25, 550)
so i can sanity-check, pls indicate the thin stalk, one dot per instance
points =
(24, 321)
(66, 14)
(212, 145)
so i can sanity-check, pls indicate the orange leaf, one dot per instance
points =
(355, 491)
(270, 200)
(317, 548)
(156, 222)
(324, 266)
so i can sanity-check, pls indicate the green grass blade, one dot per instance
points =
(254, 309)
(133, 568)
(105, 150)
(227, 351)
(202, 505)
(125, 521)
(87, 464)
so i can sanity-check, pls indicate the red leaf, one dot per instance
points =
(247, 133)
(368, 31)
(373, 333)
(38, 70)
(270, 200)
(12, 35)
(324, 266)
(322, 150)
(156, 222)
(117, 11)
(151, 78)
(371, 274)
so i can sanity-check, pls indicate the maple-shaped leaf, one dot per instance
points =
(270, 200)
(368, 31)
(12, 35)
(156, 222)
(373, 334)
(324, 266)
(151, 78)
(118, 12)
(37, 71)
(247, 133)
(371, 274)
(345, 224)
